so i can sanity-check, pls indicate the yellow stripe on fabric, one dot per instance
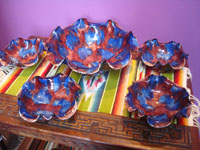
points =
(61, 68)
(21, 79)
(132, 75)
(110, 90)
(141, 70)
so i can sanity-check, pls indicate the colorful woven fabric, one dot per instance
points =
(103, 92)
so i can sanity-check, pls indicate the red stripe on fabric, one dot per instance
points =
(67, 71)
(140, 76)
(15, 75)
(178, 78)
(148, 71)
(47, 69)
(118, 101)
(136, 115)
(38, 68)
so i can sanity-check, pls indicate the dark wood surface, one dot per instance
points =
(98, 130)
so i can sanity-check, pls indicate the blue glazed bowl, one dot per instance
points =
(159, 99)
(21, 52)
(48, 97)
(159, 55)
(85, 46)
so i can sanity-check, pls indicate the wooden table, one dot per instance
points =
(98, 130)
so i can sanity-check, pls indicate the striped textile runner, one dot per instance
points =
(103, 92)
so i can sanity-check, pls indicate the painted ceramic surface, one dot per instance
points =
(21, 52)
(46, 97)
(85, 46)
(158, 55)
(159, 99)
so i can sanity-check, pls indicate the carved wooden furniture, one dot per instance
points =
(98, 130)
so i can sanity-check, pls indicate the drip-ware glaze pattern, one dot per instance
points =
(22, 52)
(84, 46)
(159, 55)
(48, 97)
(159, 99)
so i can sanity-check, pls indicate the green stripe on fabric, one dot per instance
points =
(76, 76)
(61, 68)
(169, 75)
(21, 79)
(109, 94)
(85, 102)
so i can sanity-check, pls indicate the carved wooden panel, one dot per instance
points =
(126, 129)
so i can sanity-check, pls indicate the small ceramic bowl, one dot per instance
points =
(159, 99)
(85, 46)
(161, 55)
(21, 52)
(48, 97)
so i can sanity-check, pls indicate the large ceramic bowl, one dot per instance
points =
(85, 46)
(48, 97)
(159, 55)
(21, 52)
(159, 99)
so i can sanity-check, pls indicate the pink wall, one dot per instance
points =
(177, 20)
